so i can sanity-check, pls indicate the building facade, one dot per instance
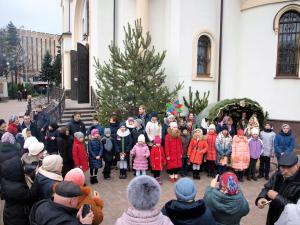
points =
(232, 48)
(35, 44)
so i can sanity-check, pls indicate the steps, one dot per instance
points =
(86, 111)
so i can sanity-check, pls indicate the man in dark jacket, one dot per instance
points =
(185, 210)
(2, 127)
(62, 209)
(282, 188)
(143, 116)
(27, 123)
(284, 141)
(41, 119)
(76, 125)
(17, 195)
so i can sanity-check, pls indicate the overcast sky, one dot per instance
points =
(37, 15)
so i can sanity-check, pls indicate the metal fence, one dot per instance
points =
(55, 110)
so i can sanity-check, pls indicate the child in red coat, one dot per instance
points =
(80, 156)
(211, 155)
(157, 158)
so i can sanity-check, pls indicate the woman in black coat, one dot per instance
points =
(15, 192)
(65, 146)
(51, 142)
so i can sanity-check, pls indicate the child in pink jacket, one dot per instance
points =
(141, 152)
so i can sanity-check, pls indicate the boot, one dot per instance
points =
(96, 180)
(121, 174)
(260, 176)
(92, 180)
(198, 175)
(194, 175)
(267, 177)
(125, 174)
(241, 176)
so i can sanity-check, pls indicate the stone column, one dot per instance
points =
(142, 12)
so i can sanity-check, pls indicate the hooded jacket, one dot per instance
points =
(65, 145)
(267, 137)
(141, 153)
(80, 156)
(173, 149)
(284, 143)
(150, 217)
(51, 139)
(290, 215)
(240, 157)
(188, 213)
(123, 142)
(76, 126)
(226, 209)
(223, 146)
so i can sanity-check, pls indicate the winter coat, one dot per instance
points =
(150, 217)
(51, 142)
(226, 209)
(41, 120)
(30, 165)
(65, 146)
(255, 147)
(240, 156)
(152, 130)
(211, 148)
(32, 127)
(47, 212)
(76, 126)
(188, 213)
(43, 184)
(290, 215)
(135, 133)
(108, 148)
(173, 150)
(123, 143)
(197, 149)
(288, 192)
(164, 130)
(98, 127)
(185, 139)
(267, 138)
(1, 133)
(145, 119)
(157, 158)
(95, 148)
(80, 156)
(141, 153)
(223, 146)
(114, 128)
(15, 192)
(96, 204)
(284, 143)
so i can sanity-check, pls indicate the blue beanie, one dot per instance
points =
(185, 190)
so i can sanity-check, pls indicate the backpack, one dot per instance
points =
(108, 146)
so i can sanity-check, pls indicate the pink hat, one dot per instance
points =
(157, 140)
(75, 175)
(94, 131)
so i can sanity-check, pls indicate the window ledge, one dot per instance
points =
(286, 78)
(203, 78)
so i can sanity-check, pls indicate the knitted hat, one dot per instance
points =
(7, 137)
(255, 131)
(94, 132)
(54, 125)
(143, 192)
(75, 175)
(141, 138)
(52, 163)
(173, 125)
(157, 140)
(122, 124)
(138, 121)
(78, 135)
(229, 182)
(12, 119)
(212, 127)
(28, 141)
(12, 128)
(171, 116)
(130, 119)
(240, 132)
(35, 147)
(153, 114)
(224, 127)
(107, 131)
(185, 189)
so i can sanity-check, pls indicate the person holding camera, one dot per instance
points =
(62, 209)
(282, 188)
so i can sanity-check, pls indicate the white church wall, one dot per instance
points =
(257, 67)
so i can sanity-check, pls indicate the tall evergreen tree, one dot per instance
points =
(57, 68)
(47, 73)
(133, 77)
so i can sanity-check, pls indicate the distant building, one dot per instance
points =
(35, 44)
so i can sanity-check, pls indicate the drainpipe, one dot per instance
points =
(69, 16)
(220, 51)
(114, 31)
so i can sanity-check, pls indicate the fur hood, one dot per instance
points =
(50, 175)
(123, 134)
(128, 125)
(174, 134)
(29, 159)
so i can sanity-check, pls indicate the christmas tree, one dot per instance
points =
(132, 77)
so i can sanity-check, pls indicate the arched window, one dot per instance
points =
(288, 44)
(203, 56)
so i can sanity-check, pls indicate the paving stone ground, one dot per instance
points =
(10, 107)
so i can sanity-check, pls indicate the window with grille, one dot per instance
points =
(203, 56)
(288, 45)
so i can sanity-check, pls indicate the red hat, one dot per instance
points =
(12, 128)
(157, 140)
(75, 175)
(229, 181)
(240, 132)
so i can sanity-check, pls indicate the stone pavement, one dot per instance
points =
(11, 107)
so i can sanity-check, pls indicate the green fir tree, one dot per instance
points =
(133, 76)
(47, 73)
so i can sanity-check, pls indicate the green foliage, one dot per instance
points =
(57, 70)
(235, 108)
(132, 77)
(12, 90)
(198, 104)
(46, 73)
(30, 88)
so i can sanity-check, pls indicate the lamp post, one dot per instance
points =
(7, 63)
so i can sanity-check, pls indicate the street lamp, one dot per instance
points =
(7, 63)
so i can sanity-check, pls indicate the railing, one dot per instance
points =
(55, 111)
(94, 99)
